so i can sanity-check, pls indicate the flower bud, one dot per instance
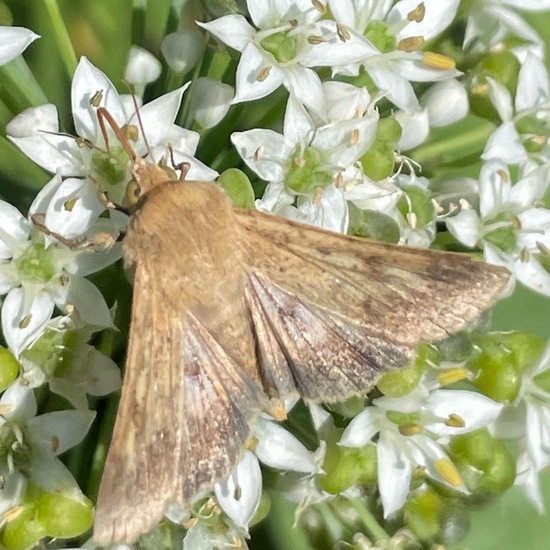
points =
(9, 368)
(182, 50)
(446, 102)
(238, 187)
(210, 101)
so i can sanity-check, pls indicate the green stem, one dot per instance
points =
(368, 520)
(62, 38)
(19, 88)
(442, 150)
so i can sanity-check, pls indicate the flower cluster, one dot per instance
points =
(325, 112)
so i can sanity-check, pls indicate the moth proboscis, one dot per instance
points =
(233, 310)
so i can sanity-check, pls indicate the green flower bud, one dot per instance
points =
(418, 201)
(346, 466)
(238, 187)
(423, 514)
(263, 509)
(402, 381)
(350, 407)
(501, 66)
(62, 516)
(9, 368)
(476, 448)
(372, 225)
(525, 348)
(378, 162)
(24, 530)
(457, 347)
(501, 473)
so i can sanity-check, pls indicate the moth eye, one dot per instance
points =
(133, 192)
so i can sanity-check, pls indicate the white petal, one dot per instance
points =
(233, 30)
(306, 85)
(330, 212)
(347, 141)
(54, 153)
(210, 101)
(415, 126)
(532, 89)
(476, 410)
(298, 128)
(12, 490)
(182, 50)
(275, 198)
(396, 88)
(394, 472)
(15, 309)
(82, 214)
(50, 474)
(344, 101)
(538, 435)
(264, 151)
(88, 302)
(44, 196)
(252, 64)
(533, 275)
(14, 229)
(438, 16)
(33, 121)
(157, 118)
(142, 67)
(239, 496)
(501, 99)
(102, 375)
(466, 227)
(18, 402)
(505, 144)
(278, 448)
(13, 41)
(333, 51)
(362, 428)
(87, 82)
(60, 430)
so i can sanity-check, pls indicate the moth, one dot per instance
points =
(234, 309)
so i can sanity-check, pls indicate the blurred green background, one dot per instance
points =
(103, 30)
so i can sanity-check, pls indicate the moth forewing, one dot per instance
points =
(233, 308)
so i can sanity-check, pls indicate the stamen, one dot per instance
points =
(438, 61)
(319, 6)
(26, 321)
(68, 205)
(455, 421)
(96, 99)
(343, 33)
(448, 471)
(450, 376)
(263, 74)
(315, 39)
(258, 153)
(418, 13)
(411, 44)
(318, 195)
(410, 429)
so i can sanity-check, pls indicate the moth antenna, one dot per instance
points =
(140, 122)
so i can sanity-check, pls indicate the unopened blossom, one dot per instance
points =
(142, 68)
(13, 42)
(210, 101)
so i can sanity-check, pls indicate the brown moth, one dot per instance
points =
(233, 309)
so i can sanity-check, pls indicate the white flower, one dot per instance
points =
(446, 102)
(402, 449)
(182, 50)
(511, 226)
(391, 68)
(288, 41)
(309, 160)
(38, 272)
(73, 368)
(13, 42)
(490, 21)
(40, 439)
(110, 169)
(528, 419)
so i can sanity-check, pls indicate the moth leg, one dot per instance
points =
(100, 240)
(183, 167)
